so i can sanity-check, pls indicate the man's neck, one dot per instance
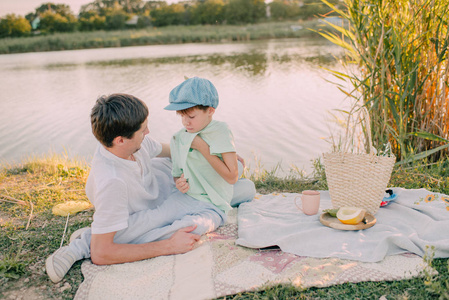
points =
(120, 154)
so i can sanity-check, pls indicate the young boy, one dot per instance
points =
(203, 153)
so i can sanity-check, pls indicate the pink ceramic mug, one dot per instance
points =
(310, 202)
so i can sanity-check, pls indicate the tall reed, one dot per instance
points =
(400, 52)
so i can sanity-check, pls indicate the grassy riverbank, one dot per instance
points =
(27, 241)
(158, 36)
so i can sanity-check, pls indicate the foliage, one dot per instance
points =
(244, 11)
(101, 6)
(312, 8)
(304, 10)
(61, 9)
(116, 19)
(435, 285)
(91, 23)
(55, 22)
(113, 14)
(131, 6)
(279, 10)
(397, 62)
(144, 21)
(208, 12)
(155, 36)
(53, 18)
(14, 26)
(431, 176)
(168, 15)
(11, 267)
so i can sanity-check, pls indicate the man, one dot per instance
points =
(128, 184)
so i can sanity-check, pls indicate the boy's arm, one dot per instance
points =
(165, 151)
(227, 168)
(105, 252)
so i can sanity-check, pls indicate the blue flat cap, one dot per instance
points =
(192, 92)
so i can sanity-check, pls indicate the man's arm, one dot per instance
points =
(227, 168)
(105, 252)
(165, 151)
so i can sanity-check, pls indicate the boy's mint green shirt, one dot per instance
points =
(205, 183)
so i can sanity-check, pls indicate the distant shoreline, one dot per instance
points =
(161, 36)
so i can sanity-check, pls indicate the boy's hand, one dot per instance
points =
(240, 159)
(198, 142)
(182, 185)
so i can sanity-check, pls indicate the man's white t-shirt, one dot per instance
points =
(118, 187)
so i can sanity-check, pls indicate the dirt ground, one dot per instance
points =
(22, 291)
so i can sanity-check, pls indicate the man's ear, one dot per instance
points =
(211, 110)
(117, 141)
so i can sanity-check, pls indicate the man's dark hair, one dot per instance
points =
(117, 115)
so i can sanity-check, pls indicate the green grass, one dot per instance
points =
(158, 36)
(51, 180)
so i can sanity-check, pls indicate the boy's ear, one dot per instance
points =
(211, 110)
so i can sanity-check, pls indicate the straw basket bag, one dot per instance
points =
(358, 179)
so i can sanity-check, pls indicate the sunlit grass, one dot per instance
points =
(56, 179)
(39, 184)
(43, 182)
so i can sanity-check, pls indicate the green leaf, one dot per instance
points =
(429, 136)
(422, 155)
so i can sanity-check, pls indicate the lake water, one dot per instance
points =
(274, 95)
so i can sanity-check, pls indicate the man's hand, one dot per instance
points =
(182, 185)
(183, 240)
(105, 252)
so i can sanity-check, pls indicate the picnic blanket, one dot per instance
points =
(218, 267)
(416, 219)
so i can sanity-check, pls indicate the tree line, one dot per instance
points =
(124, 14)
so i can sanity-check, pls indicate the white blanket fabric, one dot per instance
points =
(416, 219)
(218, 268)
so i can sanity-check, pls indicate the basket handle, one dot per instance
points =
(361, 116)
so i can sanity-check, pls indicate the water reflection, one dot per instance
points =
(273, 95)
(254, 63)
